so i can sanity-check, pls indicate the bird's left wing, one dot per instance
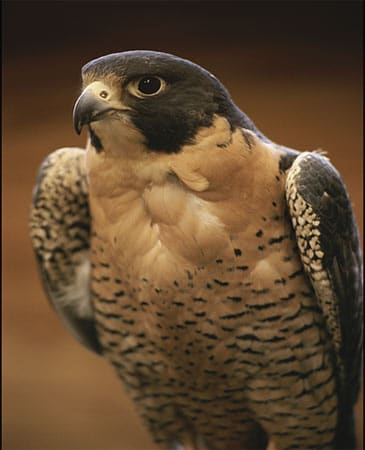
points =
(328, 243)
(60, 232)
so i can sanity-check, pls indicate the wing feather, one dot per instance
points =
(60, 233)
(328, 242)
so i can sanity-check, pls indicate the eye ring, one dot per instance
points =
(147, 86)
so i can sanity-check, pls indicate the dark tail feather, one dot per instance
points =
(345, 434)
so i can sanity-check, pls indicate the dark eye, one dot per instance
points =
(146, 86)
(149, 85)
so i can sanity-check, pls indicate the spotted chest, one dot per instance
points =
(250, 286)
(202, 306)
(232, 335)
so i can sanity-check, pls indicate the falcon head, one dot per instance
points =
(156, 98)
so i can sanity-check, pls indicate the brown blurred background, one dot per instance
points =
(293, 67)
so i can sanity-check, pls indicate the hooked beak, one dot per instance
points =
(90, 107)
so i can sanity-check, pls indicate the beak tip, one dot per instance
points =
(78, 127)
(88, 108)
(77, 123)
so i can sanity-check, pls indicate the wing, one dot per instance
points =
(328, 242)
(60, 230)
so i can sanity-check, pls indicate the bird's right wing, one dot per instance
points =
(60, 233)
(328, 242)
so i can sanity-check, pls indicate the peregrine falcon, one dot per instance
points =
(218, 272)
